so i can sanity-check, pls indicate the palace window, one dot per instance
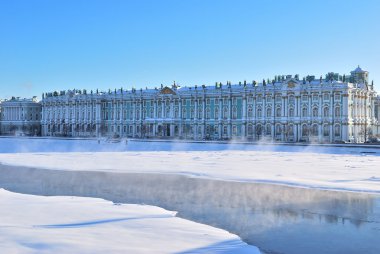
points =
(269, 112)
(325, 112)
(268, 130)
(278, 129)
(250, 112)
(326, 131)
(208, 113)
(291, 112)
(278, 112)
(315, 97)
(304, 130)
(176, 113)
(259, 112)
(337, 97)
(234, 113)
(337, 130)
(325, 96)
(315, 112)
(314, 130)
(337, 111)
(234, 130)
(225, 113)
(250, 129)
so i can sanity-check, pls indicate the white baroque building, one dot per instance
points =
(20, 117)
(336, 108)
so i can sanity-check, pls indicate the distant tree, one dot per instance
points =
(264, 83)
(344, 77)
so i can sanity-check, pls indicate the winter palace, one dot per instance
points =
(334, 108)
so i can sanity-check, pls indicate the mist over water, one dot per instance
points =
(37, 145)
(277, 219)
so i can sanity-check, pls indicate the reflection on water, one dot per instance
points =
(19, 145)
(277, 219)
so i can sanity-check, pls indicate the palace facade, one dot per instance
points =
(331, 109)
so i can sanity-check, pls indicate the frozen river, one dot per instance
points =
(36, 145)
(277, 219)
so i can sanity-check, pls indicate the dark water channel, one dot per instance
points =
(277, 219)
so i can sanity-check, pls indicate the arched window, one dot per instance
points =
(250, 112)
(269, 112)
(304, 112)
(337, 111)
(278, 112)
(337, 130)
(326, 131)
(234, 113)
(305, 130)
(250, 129)
(259, 112)
(268, 130)
(278, 129)
(315, 112)
(314, 130)
(259, 129)
(290, 130)
(325, 112)
(234, 130)
(291, 112)
(225, 112)
(216, 112)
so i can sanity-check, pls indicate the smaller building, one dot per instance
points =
(21, 117)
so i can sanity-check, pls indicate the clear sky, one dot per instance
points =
(65, 44)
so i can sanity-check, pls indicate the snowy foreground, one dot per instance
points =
(315, 170)
(37, 224)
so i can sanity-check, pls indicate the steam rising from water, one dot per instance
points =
(33, 145)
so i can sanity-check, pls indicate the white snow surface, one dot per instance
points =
(306, 169)
(38, 224)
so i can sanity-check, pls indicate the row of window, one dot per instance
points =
(306, 130)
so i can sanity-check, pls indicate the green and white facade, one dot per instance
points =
(286, 109)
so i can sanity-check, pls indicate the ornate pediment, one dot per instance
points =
(167, 90)
(291, 83)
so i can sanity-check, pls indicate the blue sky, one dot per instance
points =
(56, 45)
